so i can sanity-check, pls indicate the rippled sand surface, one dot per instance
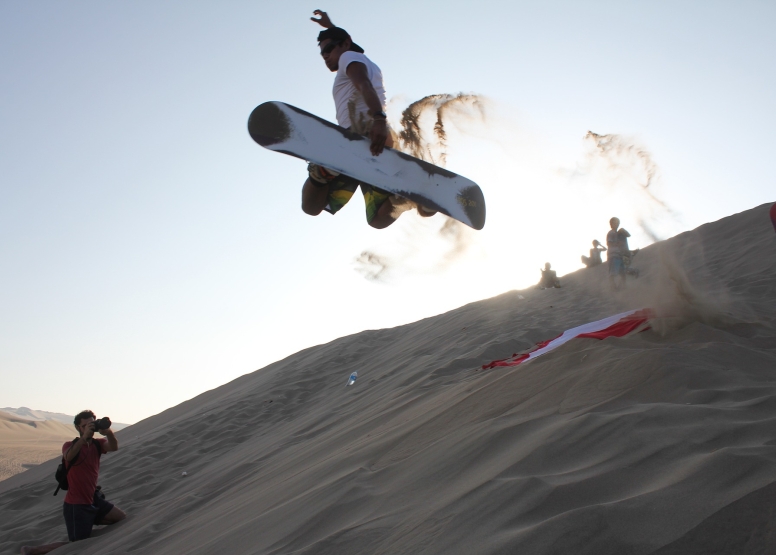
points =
(659, 442)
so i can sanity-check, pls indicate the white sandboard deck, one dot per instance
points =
(284, 128)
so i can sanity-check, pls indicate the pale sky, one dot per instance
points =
(151, 251)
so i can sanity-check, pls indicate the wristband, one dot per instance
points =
(380, 115)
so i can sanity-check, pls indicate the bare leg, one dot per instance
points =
(114, 515)
(314, 197)
(384, 216)
(41, 549)
(617, 281)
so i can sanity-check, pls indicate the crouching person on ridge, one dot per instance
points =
(85, 505)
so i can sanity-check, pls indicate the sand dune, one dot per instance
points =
(39, 415)
(32, 414)
(659, 442)
(25, 443)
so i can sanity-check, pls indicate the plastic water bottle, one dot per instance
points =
(352, 378)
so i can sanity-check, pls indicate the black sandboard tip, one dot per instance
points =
(472, 201)
(268, 125)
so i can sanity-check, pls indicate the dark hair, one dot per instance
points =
(338, 34)
(84, 414)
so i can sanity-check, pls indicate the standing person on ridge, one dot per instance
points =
(359, 97)
(614, 256)
(627, 254)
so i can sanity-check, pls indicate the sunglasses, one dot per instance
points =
(329, 47)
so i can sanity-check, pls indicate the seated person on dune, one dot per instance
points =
(549, 278)
(595, 255)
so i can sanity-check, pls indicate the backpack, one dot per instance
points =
(61, 474)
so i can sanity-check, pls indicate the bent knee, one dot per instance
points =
(311, 209)
(381, 223)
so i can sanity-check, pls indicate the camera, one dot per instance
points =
(102, 424)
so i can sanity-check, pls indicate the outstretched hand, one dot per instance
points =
(324, 20)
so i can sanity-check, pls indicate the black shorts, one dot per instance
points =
(79, 519)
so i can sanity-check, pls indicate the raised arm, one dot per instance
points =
(113, 443)
(324, 20)
(75, 448)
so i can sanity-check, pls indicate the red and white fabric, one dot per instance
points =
(618, 325)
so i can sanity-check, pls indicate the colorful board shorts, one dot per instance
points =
(342, 188)
(80, 519)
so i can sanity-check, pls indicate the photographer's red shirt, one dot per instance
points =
(83, 472)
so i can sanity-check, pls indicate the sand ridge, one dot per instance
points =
(639, 445)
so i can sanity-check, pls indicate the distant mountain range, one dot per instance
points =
(41, 415)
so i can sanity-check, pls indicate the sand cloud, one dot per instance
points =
(626, 168)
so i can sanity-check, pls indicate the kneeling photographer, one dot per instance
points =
(85, 505)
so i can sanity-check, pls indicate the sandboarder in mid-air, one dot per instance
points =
(359, 97)
(358, 152)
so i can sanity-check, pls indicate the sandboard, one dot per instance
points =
(283, 128)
